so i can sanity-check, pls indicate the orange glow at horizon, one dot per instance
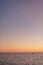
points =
(22, 49)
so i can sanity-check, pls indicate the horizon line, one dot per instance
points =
(21, 52)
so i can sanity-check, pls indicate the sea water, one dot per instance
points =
(21, 58)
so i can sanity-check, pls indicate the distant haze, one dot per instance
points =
(21, 25)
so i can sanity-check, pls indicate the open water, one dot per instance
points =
(21, 58)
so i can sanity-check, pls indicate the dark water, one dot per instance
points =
(21, 59)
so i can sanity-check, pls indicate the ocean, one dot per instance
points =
(21, 58)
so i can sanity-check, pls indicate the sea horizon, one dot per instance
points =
(20, 52)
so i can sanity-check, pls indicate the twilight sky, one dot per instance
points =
(21, 25)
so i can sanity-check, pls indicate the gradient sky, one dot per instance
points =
(21, 25)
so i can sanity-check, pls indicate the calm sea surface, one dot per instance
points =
(21, 58)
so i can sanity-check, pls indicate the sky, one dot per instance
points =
(21, 25)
